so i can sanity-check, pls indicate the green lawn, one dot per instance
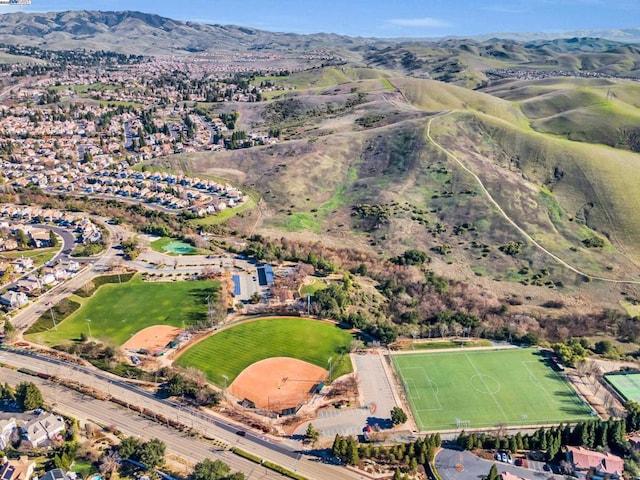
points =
(232, 350)
(119, 310)
(486, 388)
(312, 288)
(40, 256)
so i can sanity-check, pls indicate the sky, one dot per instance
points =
(380, 18)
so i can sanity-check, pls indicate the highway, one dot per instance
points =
(281, 453)
(82, 407)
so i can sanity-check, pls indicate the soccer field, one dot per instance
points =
(485, 388)
(627, 385)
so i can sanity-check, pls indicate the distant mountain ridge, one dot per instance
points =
(151, 34)
(147, 33)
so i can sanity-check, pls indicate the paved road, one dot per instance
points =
(474, 468)
(281, 453)
(27, 315)
(68, 241)
(86, 409)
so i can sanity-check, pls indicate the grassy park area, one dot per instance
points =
(118, 310)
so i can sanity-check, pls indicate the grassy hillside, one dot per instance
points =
(590, 187)
(585, 110)
(374, 151)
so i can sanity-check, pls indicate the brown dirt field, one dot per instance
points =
(153, 338)
(277, 383)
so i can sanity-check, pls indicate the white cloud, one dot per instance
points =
(420, 22)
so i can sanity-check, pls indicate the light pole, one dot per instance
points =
(53, 317)
(226, 379)
(89, 325)
(330, 367)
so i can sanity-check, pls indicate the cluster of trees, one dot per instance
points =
(594, 434)
(214, 470)
(574, 351)
(26, 394)
(407, 456)
(150, 453)
(130, 248)
(411, 257)
(193, 386)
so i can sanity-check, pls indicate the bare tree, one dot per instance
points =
(109, 463)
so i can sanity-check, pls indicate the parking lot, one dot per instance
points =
(374, 385)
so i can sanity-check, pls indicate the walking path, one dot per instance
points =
(510, 220)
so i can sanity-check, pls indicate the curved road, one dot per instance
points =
(510, 220)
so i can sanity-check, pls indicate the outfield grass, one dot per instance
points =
(117, 311)
(232, 350)
(486, 388)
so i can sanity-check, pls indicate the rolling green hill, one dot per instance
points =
(561, 192)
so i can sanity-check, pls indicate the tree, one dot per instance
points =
(53, 238)
(352, 456)
(28, 396)
(109, 462)
(312, 434)
(151, 453)
(128, 447)
(493, 473)
(210, 470)
(130, 248)
(22, 239)
(398, 416)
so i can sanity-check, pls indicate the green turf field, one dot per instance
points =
(117, 311)
(627, 385)
(234, 349)
(484, 388)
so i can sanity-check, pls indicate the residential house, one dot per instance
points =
(21, 469)
(43, 428)
(6, 429)
(55, 474)
(634, 440)
(13, 300)
(589, 464)
(22, 264)
(28, 285)
(39, 237)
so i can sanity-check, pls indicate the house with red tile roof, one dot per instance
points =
(589, 464)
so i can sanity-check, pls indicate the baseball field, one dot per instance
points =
(115, 312)
(230, 351)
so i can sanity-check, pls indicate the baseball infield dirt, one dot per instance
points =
(277, 383)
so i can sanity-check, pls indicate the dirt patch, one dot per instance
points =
(153, 339)
(277, 383)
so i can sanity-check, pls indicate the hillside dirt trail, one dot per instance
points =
(523, 232)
